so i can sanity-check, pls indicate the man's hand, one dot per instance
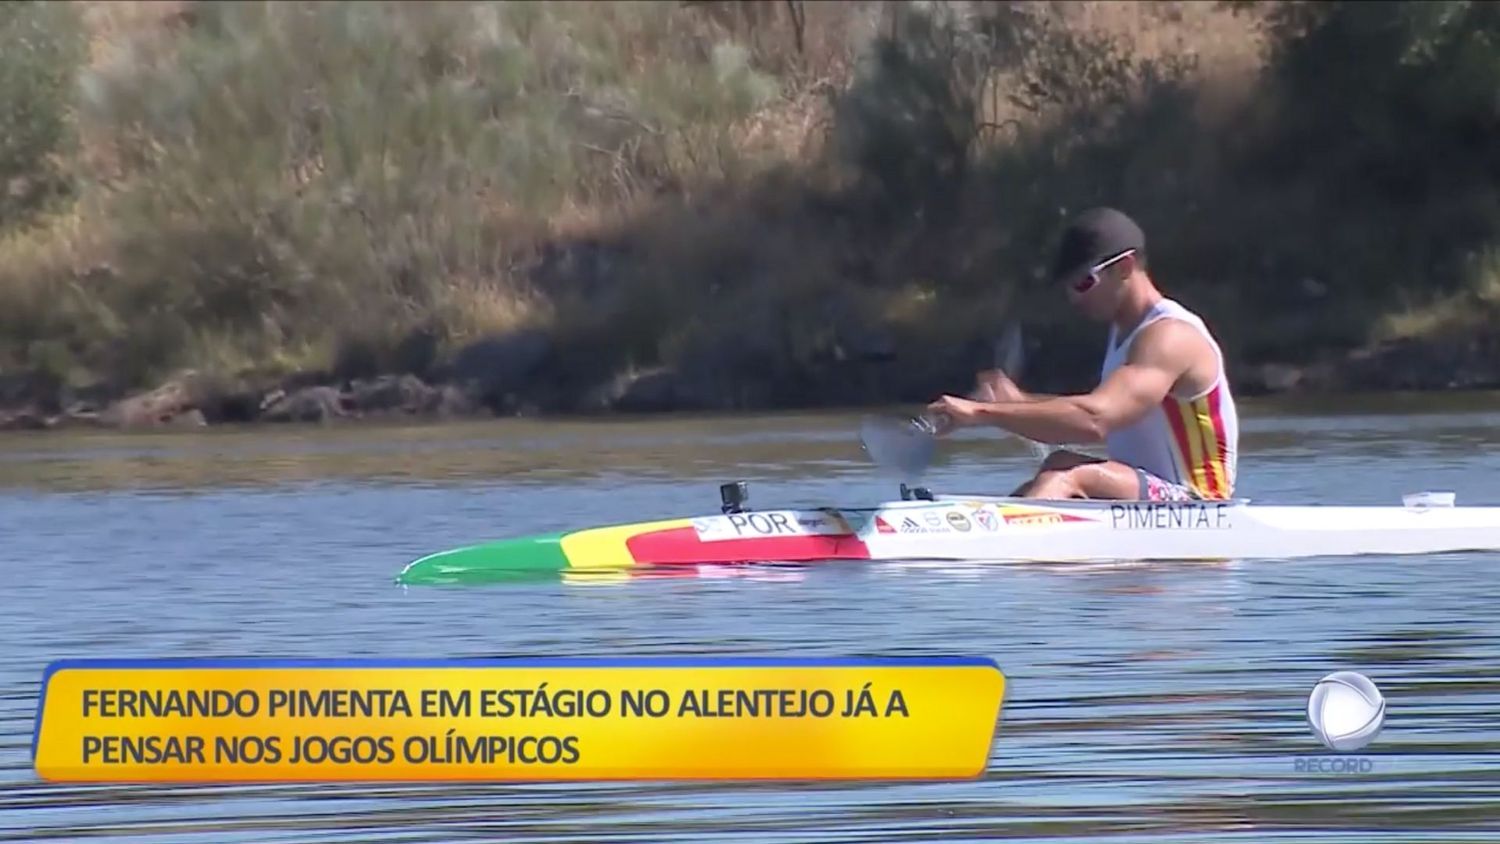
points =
(995, 385)
(950, 413)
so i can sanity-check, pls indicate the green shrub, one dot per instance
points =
(906, 123)
(302, 177)
(361, 186)
(43, 49)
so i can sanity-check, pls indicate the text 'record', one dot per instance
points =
(550, 719)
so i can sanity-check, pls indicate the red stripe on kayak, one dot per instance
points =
(682, 546)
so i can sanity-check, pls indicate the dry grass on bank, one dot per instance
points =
(763, 191)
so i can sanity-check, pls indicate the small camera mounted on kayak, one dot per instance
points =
(733, 495)
(920, 493)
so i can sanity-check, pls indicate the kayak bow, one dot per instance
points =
(673, 542)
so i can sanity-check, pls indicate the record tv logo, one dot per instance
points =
(1346, 711)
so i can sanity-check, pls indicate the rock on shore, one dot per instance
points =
(510, 376)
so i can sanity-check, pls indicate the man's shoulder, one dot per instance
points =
(1171, 339)
(1182, 348)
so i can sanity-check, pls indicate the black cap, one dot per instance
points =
(1094, 237)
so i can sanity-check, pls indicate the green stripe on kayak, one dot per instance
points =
(529, 558)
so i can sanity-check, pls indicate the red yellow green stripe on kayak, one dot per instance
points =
(669, 542)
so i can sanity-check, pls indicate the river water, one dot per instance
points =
(1160, 702)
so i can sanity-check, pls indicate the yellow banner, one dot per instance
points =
(523, 720)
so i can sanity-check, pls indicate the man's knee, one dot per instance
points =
(1055, 483)
(1089, 478)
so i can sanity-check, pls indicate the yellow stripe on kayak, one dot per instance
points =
(604, 548)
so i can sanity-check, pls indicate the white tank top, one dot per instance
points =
(1189, 440)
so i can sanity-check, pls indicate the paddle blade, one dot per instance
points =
(904, 447)
(1010, 358)
(1010, 351)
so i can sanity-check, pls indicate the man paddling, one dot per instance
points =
(1163, 407)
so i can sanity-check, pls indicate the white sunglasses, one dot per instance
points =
(1090, 281)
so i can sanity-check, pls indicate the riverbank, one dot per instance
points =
(509, 377)
(632, 207)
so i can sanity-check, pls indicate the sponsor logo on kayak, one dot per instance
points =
(1028, 516)
(1170, 516)
(958, 520)
(987, 519)
(910, 525)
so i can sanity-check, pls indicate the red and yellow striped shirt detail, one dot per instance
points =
(1198, 443)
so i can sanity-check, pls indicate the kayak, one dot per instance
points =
(977, 528)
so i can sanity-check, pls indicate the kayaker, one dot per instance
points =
(1163, 407)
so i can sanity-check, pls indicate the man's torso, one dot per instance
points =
(1190, 439)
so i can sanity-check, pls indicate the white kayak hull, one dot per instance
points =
(974, 528)
(982, 529)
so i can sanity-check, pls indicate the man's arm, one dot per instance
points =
(1161, 355)
(994, 385)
